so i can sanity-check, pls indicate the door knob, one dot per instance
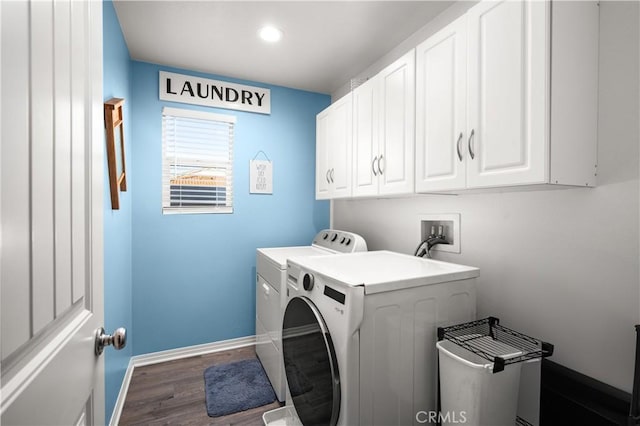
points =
(118, 339)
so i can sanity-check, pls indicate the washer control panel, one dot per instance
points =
(340, 241)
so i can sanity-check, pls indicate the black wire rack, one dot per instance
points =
(496, 343)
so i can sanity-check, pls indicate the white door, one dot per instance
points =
(340, 143)
(397, 131)
(441, 73)
(508, 88)
(322, 156)
(365, 139)
(51, 187)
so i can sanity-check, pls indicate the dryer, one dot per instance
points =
(271, 279)
(359, 334)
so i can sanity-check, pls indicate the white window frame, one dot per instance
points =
(224, 167)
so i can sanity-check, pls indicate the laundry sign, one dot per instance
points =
(214, 93)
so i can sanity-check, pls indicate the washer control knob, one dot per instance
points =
(335, 237)
(307, 282)
(348, 241)
(325, 236)
(342, 240)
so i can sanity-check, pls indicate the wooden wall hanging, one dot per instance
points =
(113, 122)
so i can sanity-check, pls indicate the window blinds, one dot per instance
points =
(197, 165)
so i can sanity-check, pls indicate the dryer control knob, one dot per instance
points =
(307, 282)
(335, 237)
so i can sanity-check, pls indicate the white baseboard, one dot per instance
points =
(170, 355)
(124, 388)
(189, 351)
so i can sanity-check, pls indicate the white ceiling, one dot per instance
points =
(325, 43)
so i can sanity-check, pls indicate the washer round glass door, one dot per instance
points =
(310, 364)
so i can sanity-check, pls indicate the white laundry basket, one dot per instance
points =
(283, 416)
(470, 393)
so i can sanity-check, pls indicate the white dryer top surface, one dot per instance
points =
(380, 271)
(279, 255)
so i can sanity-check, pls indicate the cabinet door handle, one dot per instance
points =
(373, 166)
(471, 153)
(327, 176)
(331, 174)
(458, 146)
(380, 168)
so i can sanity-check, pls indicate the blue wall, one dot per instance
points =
(194, 275)
(182, 280)
(117, 223)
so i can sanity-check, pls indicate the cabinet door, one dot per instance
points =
(340, 147)
(508, 89)
(365, 140)
(322, 156)
(441, 109)
(396, 121)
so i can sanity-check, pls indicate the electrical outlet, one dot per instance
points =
(450, 223)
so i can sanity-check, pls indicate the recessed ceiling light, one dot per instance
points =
(270, 34)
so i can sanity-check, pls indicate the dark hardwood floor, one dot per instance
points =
(172, 393)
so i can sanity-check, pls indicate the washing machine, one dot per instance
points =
(359, 335)
(271, 281)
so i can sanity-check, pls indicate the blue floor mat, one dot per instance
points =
(238, 386)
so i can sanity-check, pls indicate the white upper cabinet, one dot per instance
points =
(384, 123)
(505, 96)
(322, 156)
(508, 71)
(529, 114)
(334, 150)
(574, 99)
(441, 120)
(365, 139)
(397, 126)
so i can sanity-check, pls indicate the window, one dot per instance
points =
(197, 162)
